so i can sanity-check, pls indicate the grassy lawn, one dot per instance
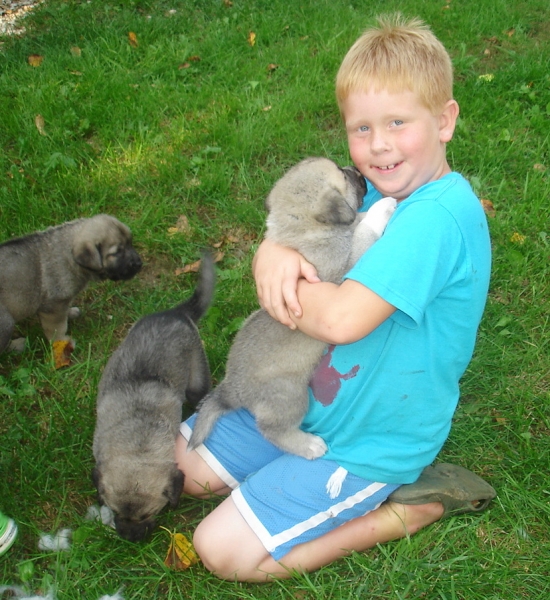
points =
(191, 120)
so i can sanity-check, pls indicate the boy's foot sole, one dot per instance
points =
(459, 490)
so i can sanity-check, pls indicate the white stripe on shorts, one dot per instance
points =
(271, 542)
(210, 459)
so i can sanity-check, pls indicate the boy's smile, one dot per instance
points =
(395, 140)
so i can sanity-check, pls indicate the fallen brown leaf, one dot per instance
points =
(252, 38)
(132, 38)
(182, 226)
(190, 268)
(517, 238)
(195, 267)
(62, 350)
(76, 51)
(180, 555)
(35, 60)
(488, 207)
(40, 124)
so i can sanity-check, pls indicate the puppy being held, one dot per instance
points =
(41, 273)
(160, 364)
(312, 209)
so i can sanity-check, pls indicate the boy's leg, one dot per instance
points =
(229, 547)
(237, 442)
(200, 480)
(231, 550)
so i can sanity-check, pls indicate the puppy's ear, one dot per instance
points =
(88, 255)
(333, 209)
(174, 489)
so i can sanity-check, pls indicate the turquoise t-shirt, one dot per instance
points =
(384, 404)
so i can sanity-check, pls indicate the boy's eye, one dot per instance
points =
(398, 122)
(363, 128)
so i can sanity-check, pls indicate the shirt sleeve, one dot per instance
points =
(414, 260)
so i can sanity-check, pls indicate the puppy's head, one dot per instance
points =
(137, 495)
(103, 246)
(318, 189)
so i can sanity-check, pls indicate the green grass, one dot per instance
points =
(148, 133)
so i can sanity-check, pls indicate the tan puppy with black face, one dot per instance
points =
(41, 273)
(313, 209)
(160, 365)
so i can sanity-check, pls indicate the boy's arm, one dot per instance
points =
(277, 270)
(339, 314)
(336, 314)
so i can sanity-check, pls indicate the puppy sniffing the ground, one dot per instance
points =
(313, 209)
(41, 273)
(160, 364)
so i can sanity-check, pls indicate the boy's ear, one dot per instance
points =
(447, 120)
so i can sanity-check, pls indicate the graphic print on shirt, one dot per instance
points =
(326, 381)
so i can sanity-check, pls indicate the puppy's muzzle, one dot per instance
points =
(124, 268)
(134, 531)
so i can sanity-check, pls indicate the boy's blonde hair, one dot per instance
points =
(398, 56)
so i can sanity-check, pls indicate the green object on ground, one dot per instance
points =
(8, 533)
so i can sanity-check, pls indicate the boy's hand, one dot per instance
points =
(277, 270)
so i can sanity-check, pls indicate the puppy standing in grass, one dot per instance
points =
(41, 273)
(312, 209)
(159, 365)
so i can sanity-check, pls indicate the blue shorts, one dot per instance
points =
(285, 499)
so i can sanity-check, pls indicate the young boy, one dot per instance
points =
(401, 329)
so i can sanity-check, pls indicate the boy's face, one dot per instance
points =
(395, 141)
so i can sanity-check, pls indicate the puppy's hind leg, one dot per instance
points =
(200, 381)
(210, 410)
(7, 325)
(279, 416)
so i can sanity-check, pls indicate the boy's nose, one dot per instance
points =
(379, 142)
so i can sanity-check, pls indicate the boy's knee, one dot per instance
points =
(216, 556)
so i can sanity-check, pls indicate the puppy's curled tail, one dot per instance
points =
(210, 410)
(201, 299)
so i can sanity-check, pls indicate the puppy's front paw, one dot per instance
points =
(17, 345)
(315, 447)
(74, 312)
(379, 214)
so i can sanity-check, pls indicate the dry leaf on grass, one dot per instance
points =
(62, 350)
(35, 60)
(488, 207)
(180, 555)
(517, 238)
(132, 38)
(195, 267)
(181, 226)
(76, 51)
(40, 124)
(252, 38)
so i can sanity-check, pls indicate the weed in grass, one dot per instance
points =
(195, 121)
